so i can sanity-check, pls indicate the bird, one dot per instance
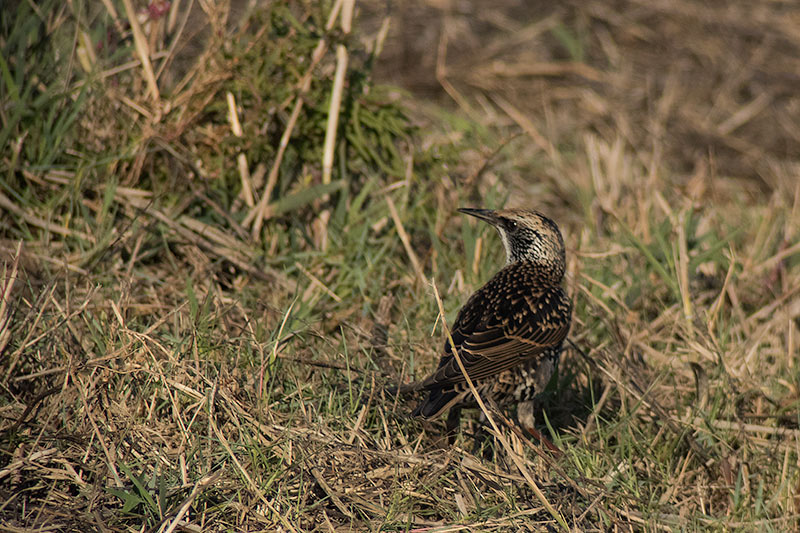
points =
(509, 334)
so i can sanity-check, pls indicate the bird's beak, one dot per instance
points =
(488, 215)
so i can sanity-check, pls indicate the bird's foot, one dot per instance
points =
(544, 440)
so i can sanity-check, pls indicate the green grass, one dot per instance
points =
(163, 362)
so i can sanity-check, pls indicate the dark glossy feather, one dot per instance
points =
(517, 315)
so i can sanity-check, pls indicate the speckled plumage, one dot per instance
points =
(510, 331)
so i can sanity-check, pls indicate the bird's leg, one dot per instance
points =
(483, 436)
(525, 414)
(526, 419)
(452, 424)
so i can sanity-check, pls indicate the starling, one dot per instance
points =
(509, 333)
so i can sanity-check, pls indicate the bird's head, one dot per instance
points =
(527, 236)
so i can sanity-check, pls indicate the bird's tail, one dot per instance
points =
(437, 402)
(405, 389)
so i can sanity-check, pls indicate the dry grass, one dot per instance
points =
(199, 315)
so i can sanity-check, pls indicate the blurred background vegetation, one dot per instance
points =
(220, 222)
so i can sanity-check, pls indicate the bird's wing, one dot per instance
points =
(497, 328)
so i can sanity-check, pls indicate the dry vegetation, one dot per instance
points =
(198, 316)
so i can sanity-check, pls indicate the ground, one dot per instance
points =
(206, 291)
